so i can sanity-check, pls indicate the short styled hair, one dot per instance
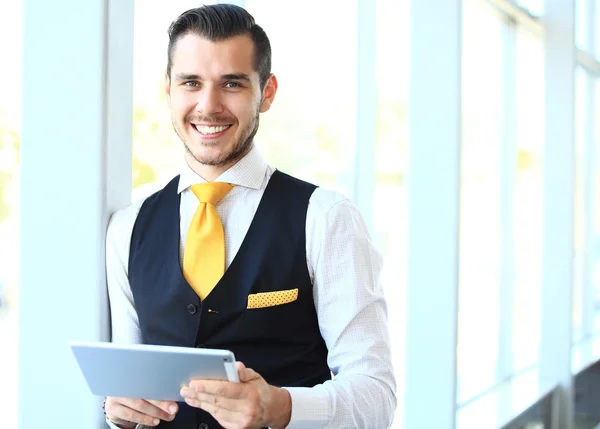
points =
(219, 22)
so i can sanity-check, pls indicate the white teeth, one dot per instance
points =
(211, 130)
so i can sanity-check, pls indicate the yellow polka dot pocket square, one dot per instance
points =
(271, 299)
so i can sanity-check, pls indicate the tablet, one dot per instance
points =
(148, 371)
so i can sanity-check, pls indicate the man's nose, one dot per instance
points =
(209, 101)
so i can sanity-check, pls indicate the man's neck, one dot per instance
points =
(208, 172)
(211, 172)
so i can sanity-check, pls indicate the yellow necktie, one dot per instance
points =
(204, 255)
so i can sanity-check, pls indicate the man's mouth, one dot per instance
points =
(210, 131)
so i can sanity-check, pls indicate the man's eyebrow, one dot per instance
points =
(229, 76)
(186, 76)
(236, 76)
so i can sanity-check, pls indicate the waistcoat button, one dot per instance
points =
(203, 426)
(192, 309)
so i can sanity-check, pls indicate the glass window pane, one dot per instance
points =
(595, 236)
(390, 198)
(538, 416)
(10, 112)
(597, 28)
(579, 201)
(157, 151)
(581, 24)
(536, 7)
(522, 402)
(528, 195)
(310, 131)
(480, 228)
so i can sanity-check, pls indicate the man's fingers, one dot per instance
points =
(169, 407)
(228, 412)
(242, 372)
(231, 404)
(220, 388)
(148, 408)
(240, 367)
(225, 417)
(251, 375)
(223, 403)
(138, 410)
(245, 374)
(119, 413)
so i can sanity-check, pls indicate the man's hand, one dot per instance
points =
(126, 413)
(250, 404)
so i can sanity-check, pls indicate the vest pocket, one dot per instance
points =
(271, 310)
(271, 299)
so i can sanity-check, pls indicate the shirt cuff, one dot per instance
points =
(310, 407)
(113, 426)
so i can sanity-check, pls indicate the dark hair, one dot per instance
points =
(219, 22)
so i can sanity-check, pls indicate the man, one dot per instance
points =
(236, 255)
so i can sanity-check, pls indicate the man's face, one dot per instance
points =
(215, 97)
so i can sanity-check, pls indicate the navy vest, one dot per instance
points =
(282, 343)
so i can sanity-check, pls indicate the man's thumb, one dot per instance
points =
(242, 372)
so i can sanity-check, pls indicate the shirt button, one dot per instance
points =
(192, 309)
(203, 426)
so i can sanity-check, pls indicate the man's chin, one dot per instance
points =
(213, 161)
(213, 158)
(215, 155)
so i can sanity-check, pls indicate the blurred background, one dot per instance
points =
(342, 119)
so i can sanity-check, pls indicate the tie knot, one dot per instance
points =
(211, 192)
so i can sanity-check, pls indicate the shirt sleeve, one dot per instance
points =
(352, 312)
(125, 328)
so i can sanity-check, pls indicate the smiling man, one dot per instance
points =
(215, 113)
(234, 254)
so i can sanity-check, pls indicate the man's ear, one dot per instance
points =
(168, 88)
(268, 94)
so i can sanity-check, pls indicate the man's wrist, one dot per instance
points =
(280, 409)
(121, 425)
(128, 425)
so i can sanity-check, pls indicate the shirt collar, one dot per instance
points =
(248, 172)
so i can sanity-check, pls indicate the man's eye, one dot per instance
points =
(191, 84)
(232, 85)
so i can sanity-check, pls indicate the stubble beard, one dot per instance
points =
(241, 147)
